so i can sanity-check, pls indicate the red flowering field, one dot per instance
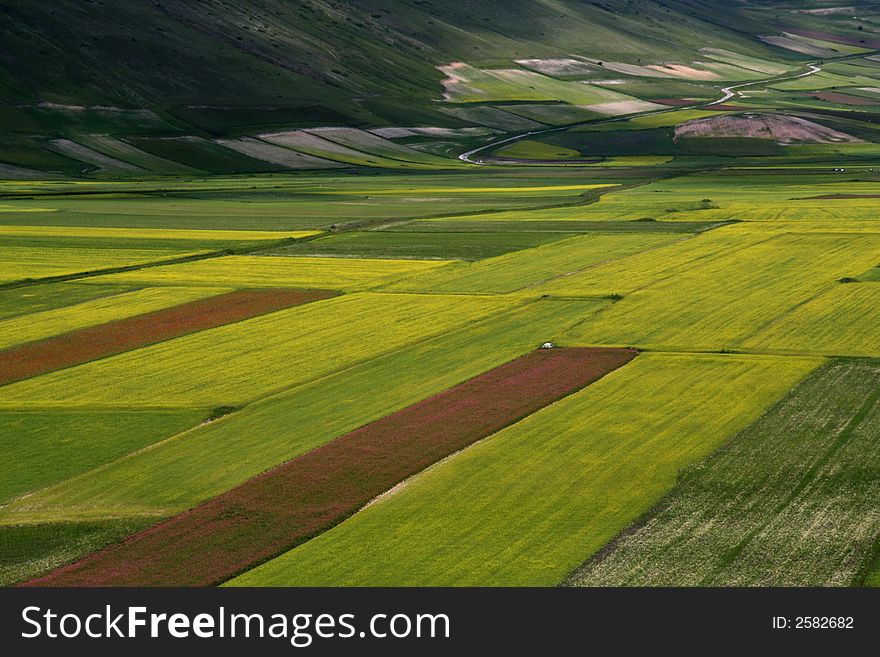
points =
(83, 345)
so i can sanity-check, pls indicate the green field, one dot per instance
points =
(527, 149)
(30, 550)
(495, 230)
(21, 301)
(384, 244)
(514, 271)
(51, 446)
(805, 512)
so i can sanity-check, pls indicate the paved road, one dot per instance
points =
(727, 94)
(730, 92)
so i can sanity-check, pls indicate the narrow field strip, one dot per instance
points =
(527, 505)
(32, 299)
(480, 190)
(27, 551)
(514, 271)
(91, 343)
(793, 500)
(287, 505)
(141, 234)
(25, 264)
(278, 271)
(237, 363)
(35, 326)
(47, 447)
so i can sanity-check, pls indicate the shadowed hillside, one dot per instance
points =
(217, 69)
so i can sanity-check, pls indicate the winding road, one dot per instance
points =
(727, 94)
(731, 91)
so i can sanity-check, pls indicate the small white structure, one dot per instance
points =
(547, 345)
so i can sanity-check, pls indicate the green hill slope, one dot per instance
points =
(219, 69)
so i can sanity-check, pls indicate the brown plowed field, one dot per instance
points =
(287, 505)
(836, 38)
(84, 345)
(843, 99)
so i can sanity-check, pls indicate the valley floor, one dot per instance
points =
(638, 350)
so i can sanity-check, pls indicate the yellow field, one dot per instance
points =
(514, 271)
(826, 210)
(639, 270)
(278, 271)
(843, 321)
(151, 233)
(813, 226)
(37, 326)
(16, 208)
(18, 263)
(235, 363)
(712, 197)
(721, 301)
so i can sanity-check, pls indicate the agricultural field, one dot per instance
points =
(515, 271)
(80, 440)
(807, 510)
(77, 250)
(511, 294)
(277, 271)
(39, 325)
(419, 245)
(225, 210)
(28, 550)
(840, 321)
(108, 338)
(26, 263)
(22, 301)
(489, 229)
(722, 300)
(527, 149)
(246, 360)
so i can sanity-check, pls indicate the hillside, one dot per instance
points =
(215, 68)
